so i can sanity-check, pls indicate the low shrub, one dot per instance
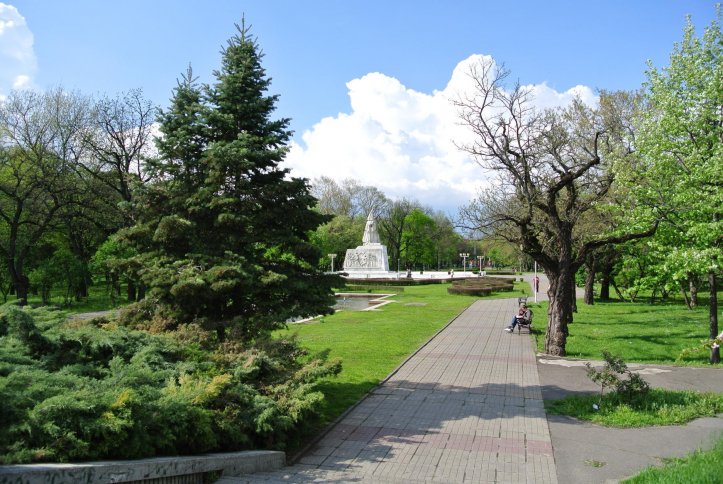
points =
(480, 286)
(74, 392)
(470, 291)
(371, 288)
(402, 281)
(631, 390)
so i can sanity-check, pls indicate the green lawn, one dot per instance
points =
(637, 332)
(373, 343)
(659, 407)
(699, 467)
(98, 300)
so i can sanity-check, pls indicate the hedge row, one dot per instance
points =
(402, 281)
(481, 286)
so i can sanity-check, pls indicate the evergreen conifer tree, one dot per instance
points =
(223, 231)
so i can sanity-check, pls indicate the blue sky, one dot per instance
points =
(363, 82)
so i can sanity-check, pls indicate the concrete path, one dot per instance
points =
(467, 407)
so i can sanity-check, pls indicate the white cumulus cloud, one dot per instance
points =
(17, 56)
(402, 141)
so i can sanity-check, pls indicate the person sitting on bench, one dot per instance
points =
(522, 316)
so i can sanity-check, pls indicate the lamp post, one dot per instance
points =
(332, 256)
(479, 261)
(464, 256)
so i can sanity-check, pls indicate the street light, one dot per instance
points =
(332, 256)
(464, 256)
(479, 259)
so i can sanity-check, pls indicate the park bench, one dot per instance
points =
(527, 323)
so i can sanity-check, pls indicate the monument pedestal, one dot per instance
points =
(371, 257)
(367, 258)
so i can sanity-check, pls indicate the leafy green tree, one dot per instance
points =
(392, 224)
(445, 239)
(681, 140)
(223, 234)
(417, 241)
(335, 237)
(116, 261)
(63, 270)
(40, 143)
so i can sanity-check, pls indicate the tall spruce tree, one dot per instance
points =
(223, 232)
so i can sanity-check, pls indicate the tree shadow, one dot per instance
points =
(431, 417)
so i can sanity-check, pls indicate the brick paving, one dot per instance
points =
(467, 407)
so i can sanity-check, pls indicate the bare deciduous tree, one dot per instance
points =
(122, 136)
(554, 167)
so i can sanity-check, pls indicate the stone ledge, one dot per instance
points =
(229, 464)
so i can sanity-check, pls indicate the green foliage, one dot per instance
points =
(64, 269)
(631, 390)
(223, 237)
(75, 390)
(418, 247)
(680, 169)
(114, 260)
(335, 237)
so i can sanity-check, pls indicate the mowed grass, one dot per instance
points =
(371, 344)
(636, 332)
(659, 407)
(699, 467)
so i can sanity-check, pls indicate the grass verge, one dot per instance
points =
(701, 466)
(660, 407)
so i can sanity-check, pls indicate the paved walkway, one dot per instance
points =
(467, 407)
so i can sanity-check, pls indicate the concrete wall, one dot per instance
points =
(161, 469)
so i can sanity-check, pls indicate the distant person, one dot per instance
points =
(523, 314)
(536, 281)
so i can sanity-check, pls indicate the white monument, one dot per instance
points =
(370, 257)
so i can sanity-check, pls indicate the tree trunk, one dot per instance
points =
(685, 295)
(589, 281)
(131, 290)
(22, 287)
(713, 299)
(20, 281)
(560, 310)
(606, 275)
(82, 290)
(693, 285)
(141, 292)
